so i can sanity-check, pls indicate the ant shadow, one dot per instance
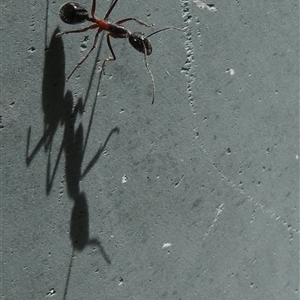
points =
(59, 111)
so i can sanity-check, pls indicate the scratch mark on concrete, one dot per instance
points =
(219, 209)
(188, 69)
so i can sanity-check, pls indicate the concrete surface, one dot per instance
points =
(105, 196)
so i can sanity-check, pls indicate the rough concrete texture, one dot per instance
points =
(105, 196)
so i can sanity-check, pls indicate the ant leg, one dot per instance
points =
(136, 20)
(87, 55)
(110, 9)
(93, 9)
(112, 52)
(78, 30)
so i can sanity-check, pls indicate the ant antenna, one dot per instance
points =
(145, 54)
(167, 28)
(149, 71)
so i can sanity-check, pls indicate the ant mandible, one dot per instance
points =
(73, 13)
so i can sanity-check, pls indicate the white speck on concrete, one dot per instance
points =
(166, 245)
(124, 179)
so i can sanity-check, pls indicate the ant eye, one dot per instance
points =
(73, 13)
(140, 42)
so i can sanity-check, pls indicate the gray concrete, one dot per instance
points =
(105, 196)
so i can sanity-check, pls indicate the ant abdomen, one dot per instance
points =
(73, 13)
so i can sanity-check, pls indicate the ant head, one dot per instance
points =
(73, 13)
(140, 42)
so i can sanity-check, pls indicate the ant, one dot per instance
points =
(73, 13)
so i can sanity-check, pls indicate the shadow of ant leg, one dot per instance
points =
(96, 242)
(99, 152)
(69, 274)
(40, 143)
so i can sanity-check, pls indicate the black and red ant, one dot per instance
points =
(73, 13)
